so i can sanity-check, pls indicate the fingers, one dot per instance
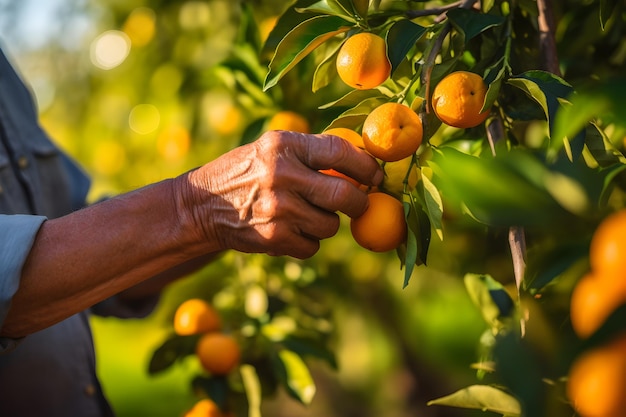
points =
(306, 154)
(328, 151)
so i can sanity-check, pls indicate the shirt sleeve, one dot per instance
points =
(16, 240)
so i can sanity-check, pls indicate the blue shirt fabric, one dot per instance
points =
(52, 372)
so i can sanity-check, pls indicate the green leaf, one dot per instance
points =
(400, 39)
(482, 397)
(252, 387)
(354, 117)
(170, 351)
(286, 22)
(433, 202)
(600, 148)
(472, 23)
(411, 250)
(253, 131)
(493, 90)
(605, 100)
(300, 42)
(493, 301)
(215, 387)
(306, 347)
(496, 191)
(546, 264)
(607, 8)
(326, 71)
(295, 376)
(352, 98)
(330, 7)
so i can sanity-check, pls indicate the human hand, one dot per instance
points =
(268, 196)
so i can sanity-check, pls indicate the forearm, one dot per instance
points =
(92, 254)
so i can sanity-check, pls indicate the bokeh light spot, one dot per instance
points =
(144, 118)
(194, 15)
(110, 49)
(140, 26)
(173, 142)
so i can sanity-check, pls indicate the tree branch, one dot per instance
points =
(547, 42)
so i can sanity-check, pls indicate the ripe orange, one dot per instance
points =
(204, 408)
(348, 134)
(392, 131)
(592, 301)
(382, 227)
(458, 99)
(597, 381)
(362, 61)
(396, 173)
(289, 120)
(607, 252)
(195, 316)
(218, 353)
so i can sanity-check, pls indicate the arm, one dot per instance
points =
(265, 197)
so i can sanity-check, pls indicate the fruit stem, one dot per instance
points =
(516, 236)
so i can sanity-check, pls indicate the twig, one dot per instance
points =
(547, 43)
(517, 236)
(412, 14)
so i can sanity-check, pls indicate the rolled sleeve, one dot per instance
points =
(17, 236)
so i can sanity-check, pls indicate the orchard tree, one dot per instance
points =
(504, 119)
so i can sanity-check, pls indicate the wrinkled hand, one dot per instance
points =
(268, 196)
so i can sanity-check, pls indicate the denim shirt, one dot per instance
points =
(51, 372)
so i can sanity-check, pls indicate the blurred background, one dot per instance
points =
(138, 91)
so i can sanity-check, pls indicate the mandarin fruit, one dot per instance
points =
(597, 381)
(382, 227)
(458, 99)
(392, 131)
(195, 316)
(607, 252)
(289, 120)
(218, 353)
(362, 61)
(350, 135)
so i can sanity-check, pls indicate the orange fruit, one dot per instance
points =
(382, 227)
(597, 381)
(362, 61)
(347, 134)
(195, 316)
(218, 353)
(607, 252)
(289, 120)
(204, 408)
(399, 172)
(458, 99)
(591, 303)
(392, 131)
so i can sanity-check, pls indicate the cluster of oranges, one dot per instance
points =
(218, 352)
(392, 133)
(597, 377)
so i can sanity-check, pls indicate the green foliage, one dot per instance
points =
(550, 158)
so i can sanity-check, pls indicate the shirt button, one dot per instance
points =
(22, 162)
(90, 390)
